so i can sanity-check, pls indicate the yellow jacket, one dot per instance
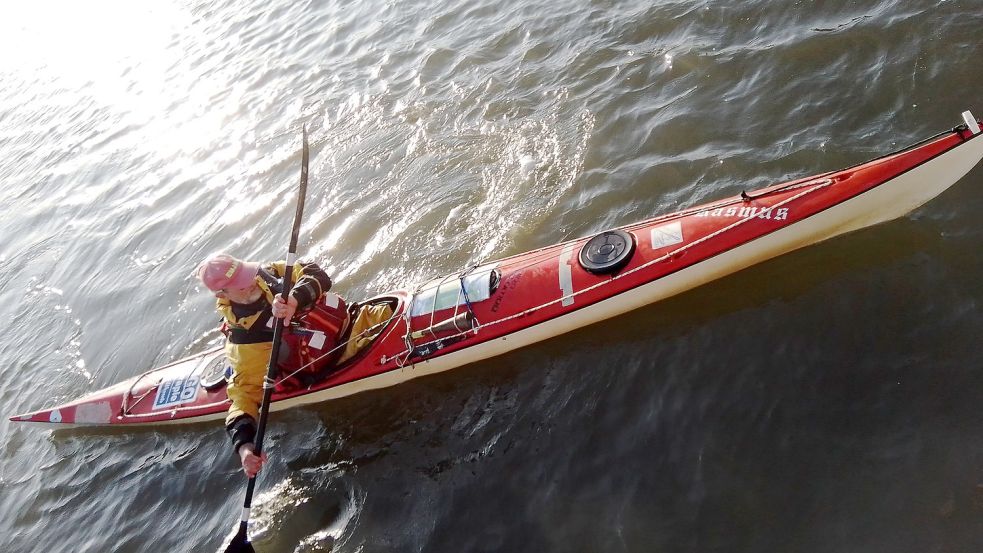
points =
(250, 340)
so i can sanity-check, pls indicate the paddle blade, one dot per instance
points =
(240, 543)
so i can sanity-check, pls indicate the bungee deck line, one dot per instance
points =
(813, 183)
(816, 182)
(736, 200)
(660, 259)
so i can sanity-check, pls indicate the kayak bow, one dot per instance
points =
(509, 303)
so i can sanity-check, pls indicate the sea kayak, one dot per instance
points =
(499, 306)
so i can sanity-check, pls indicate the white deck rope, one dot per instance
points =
(406, 315)
(812, 187)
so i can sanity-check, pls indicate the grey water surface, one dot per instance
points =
(827, 401)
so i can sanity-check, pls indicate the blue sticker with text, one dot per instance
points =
(176, 391)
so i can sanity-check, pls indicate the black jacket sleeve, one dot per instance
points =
(242, 431)
(311, 285)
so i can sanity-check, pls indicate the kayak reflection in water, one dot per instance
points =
(248, 298)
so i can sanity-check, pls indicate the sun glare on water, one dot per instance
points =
(88, 42)
(129, 57)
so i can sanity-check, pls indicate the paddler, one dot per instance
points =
(248, 297)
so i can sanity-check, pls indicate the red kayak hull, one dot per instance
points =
(516, 301)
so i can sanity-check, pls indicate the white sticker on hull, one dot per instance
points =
(94, 413)
(176, 391)
(55, 416)
(667, 235)
(566, 276)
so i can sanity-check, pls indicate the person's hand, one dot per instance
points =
(251, 463)
(284, 310)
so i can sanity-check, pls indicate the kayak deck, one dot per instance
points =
(499, 306)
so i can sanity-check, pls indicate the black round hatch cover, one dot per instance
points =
(214, 376)
(607, 252)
